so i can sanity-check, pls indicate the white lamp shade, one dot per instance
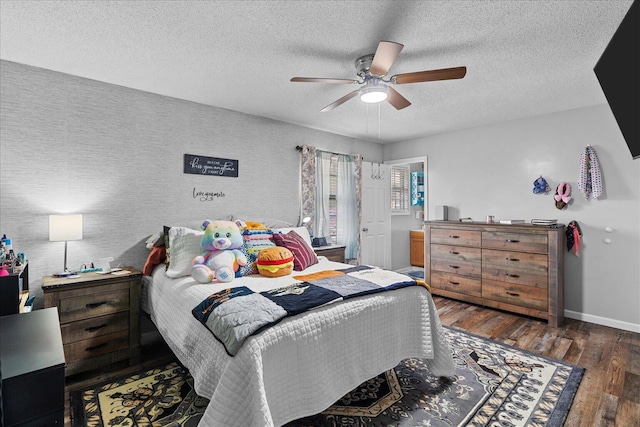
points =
(65, 227)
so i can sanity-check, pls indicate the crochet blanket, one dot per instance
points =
(234, 314)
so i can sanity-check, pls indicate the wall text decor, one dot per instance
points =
(202, 165)
(206, 196)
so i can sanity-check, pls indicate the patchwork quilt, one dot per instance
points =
(236, 313)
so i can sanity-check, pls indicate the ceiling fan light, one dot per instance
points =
(373, 94)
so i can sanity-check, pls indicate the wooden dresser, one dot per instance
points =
(98, 317)
(517, 268)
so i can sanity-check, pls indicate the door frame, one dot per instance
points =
(423, 160)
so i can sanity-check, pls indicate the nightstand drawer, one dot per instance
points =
(93, 347)
(102, 300)
(99, 317)
(95, 327)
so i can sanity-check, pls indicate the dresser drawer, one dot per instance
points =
(95, 327)
(93, 347)
(446, 236)
(456, 259)
(524, 242)
(465, 268)
(102, 300)
(515, 267)
(511, 293)
(456, 283)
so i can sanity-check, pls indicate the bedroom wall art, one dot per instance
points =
(214, 166)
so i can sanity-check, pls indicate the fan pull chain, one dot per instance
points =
(379, 119)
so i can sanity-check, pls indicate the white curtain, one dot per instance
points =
(346, 215)
(347, 228)
(321, 223)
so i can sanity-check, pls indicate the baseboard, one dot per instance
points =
(604, 321)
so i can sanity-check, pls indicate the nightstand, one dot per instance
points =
(332, 252)
(32, 361)
(98, 317)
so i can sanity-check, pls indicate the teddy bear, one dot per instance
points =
(222, 257)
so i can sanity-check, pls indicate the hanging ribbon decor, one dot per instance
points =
(574, 235)
(563, 195)
(540, 186)
(590, 180)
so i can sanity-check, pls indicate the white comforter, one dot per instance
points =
(306, 362)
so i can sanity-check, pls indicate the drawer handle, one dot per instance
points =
(454, 266)
(454, 252)
(454, 237)
(513, 294)
(512, 259)
(454, 283)
(96, 304)
(95, 328)
(512, 275)
(512, 241)
(96, 347)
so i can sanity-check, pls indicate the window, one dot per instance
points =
(400, 185)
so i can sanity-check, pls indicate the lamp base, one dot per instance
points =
(67, 274)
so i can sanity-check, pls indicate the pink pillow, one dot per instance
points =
(303, 255)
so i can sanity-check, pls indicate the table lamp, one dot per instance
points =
(63, 228)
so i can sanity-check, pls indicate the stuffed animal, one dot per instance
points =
(222, 257)
(275, 261)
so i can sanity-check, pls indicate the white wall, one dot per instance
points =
(114, 154)
(490, 171)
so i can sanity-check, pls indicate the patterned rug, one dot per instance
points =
(494, 385)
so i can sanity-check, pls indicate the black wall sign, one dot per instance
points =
(203, 165)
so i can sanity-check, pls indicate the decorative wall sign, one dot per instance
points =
(207, 196)
(203, 165)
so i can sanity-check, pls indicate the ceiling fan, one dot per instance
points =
(371, 70)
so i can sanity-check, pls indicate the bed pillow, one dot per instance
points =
(301, 231)
(156, 257)
(303, 254)
(184, 244)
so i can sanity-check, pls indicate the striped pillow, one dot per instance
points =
(303, 255)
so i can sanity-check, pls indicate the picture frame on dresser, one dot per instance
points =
(98, 317)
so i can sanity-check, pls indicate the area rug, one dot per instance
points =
(494, 384)
(416, 274)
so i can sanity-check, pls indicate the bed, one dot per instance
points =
(304, 363)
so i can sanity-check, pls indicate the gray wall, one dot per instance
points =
(490, 171)
(114, 154)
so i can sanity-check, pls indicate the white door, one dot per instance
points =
(375, 231)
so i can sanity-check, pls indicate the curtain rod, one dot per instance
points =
(299, 148)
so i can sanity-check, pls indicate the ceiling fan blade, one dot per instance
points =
(384, 57)
(322, 80)
(397, 100)
(339, 101)
(430, 76)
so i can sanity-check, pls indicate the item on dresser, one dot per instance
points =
(511, 221)
(98, 317)
(14, 289)
(517, 268)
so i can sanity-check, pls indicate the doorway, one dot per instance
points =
(402, 224)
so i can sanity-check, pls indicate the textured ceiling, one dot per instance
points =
(523, 58)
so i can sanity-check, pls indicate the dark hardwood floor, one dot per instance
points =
(609, 394)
